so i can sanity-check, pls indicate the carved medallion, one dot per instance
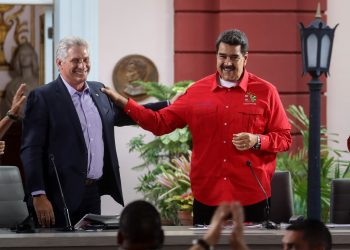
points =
(130, 69)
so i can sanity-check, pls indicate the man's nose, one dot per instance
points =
(81, 64)
(228, 61)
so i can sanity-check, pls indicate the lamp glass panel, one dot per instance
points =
(325, 44)
(311, 43)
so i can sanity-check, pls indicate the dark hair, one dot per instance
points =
(140, 222)
(233, 37)
(315, 233)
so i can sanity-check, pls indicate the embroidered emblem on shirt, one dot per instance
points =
(249, 98)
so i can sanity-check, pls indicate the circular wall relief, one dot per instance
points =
(133, 68)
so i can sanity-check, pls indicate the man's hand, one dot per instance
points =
(18, 100)
(244, 141)
(2, 147)
(117, 98)
(44, 211)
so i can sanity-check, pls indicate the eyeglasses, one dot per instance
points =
(233, 58)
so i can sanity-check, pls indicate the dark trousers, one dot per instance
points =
(91, 203)
(253, 213)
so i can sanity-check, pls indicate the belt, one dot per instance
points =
(89, 182)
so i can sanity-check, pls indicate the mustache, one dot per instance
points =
(227, 67)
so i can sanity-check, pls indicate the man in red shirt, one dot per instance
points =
(238, 124)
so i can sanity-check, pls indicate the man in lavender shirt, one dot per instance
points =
(70, 123)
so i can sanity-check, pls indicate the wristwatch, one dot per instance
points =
(258, 143)
(13, 117)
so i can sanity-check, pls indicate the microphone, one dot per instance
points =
(68, 226)
(267, 223)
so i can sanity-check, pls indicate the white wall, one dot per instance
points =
(133, 27)
(338, 86)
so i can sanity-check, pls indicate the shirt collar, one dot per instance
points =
(71, 90)
(227, 84)
(243, 84)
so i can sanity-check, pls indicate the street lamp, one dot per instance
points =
(316, 48)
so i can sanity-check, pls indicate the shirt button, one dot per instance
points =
(225, 123)
(128, 111)
(226, 106)
(225, 160)
(91, 139)
(224, 141)
(225, 178)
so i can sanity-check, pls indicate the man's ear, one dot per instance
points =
(58, 62)
(120, 238)
(245, 59)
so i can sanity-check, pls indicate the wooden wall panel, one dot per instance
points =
(195, 32)
(283, 70)
(267, 32)
(194, 66)
(271, 5)
(248, 5)
(196, 5)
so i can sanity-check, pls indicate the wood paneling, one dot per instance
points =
(195, 32)
(266, 32)
(248, 5)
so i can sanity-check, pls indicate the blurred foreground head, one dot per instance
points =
(140, 227)
(307, 235)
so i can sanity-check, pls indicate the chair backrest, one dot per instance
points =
(13, 210)
(281, 197)
(340, 201)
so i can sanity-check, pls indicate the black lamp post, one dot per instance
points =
(316, 48)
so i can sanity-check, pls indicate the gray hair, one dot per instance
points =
(66, 43)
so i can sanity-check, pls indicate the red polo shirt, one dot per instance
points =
(213, 114)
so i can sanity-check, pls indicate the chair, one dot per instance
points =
(281, 197)
(340, 201)
(13, 210)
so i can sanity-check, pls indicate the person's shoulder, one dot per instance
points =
(95, 84)
(45, 89)
(204, 82)
(206, 79)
